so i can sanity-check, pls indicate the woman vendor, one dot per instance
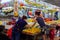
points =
(18, 27)
(40, 21)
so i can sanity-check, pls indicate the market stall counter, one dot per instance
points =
(53, 22)
(33, 32)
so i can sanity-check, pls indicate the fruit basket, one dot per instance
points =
(7, 10)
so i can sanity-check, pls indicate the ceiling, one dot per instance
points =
(4, 1)
(54, 2)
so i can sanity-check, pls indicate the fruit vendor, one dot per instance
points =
(40, 21)
(19, 26)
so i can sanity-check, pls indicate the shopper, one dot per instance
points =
(40, 21)
(56, 15)
(57, 30)
(52, 33)
(58, 26)
(19, 26)
(3, 36)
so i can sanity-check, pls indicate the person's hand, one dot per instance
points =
(27, 26)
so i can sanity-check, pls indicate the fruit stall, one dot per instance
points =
(49, 12)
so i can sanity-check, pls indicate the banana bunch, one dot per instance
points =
(15, 14)
(58, 21)
(1, 23)
(32, 30)
(45, 11)
(30, 20)
(27, 1)
(33, 3)
(35, 30)
(20, 7)
(52, 10)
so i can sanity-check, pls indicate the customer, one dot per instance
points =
(58, 30)
(3, 36)
(58, 26)
(40, 21)
(19, 26)
(52, 33)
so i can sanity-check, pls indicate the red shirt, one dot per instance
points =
(52, 33)
(9, 32)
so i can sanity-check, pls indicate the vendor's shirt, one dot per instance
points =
(20, 24)
(40, 21)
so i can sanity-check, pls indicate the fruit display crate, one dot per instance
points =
(6, 17)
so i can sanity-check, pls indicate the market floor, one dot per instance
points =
(56, 38)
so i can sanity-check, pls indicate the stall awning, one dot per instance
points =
(54, 2)
(4, 1)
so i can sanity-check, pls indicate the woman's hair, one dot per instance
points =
(38, 12)
(24, 17)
